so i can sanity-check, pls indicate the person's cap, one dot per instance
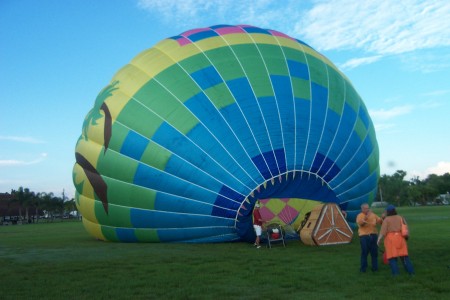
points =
(390, 207)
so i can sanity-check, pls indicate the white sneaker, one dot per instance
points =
(257, 247)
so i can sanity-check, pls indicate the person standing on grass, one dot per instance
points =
(367, 230)
(257, 225)
(394, 243)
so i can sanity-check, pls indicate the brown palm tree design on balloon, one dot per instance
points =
(99, 185)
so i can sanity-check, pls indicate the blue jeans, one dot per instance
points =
(369, 245)
(406, 263)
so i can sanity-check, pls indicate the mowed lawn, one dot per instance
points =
(61, 261)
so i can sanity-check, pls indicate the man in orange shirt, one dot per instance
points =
(368, 234)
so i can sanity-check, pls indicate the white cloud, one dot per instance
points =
(427, 61)
(431, 104)
(22, 139)
(440, 169)
(187, 14)
(385, 114)
(380, 117)
(393, 99)
(13, 182)
(383, 126)
(378, 28)
(435, 99)
(436, 93)
(356, 62)
(173, 8)
(382, 27)
(16, 163)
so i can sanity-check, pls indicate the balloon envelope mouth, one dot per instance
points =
(284, 198)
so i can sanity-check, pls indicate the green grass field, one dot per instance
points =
(61, 261)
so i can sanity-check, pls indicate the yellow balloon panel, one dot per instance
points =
(286, 211)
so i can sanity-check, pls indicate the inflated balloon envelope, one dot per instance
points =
(192, 132)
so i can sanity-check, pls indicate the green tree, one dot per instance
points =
(394, 188)
(23, 197)
(37, 202)
(47, 205)
(438, 185)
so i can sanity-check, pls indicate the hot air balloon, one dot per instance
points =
(186, 138)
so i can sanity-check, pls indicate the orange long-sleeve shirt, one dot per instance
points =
(394, 244)
(369, 225)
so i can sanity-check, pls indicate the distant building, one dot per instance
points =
(8, 207)
(12, 213)
(443, 199)
(9, 210)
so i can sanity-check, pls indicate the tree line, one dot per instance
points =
(33, 205)
(395, 189)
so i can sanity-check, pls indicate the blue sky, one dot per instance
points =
(56, 56)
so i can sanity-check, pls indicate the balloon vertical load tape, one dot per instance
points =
(186, 138)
